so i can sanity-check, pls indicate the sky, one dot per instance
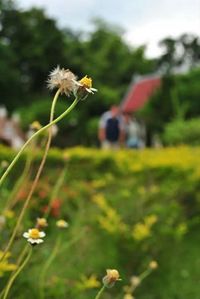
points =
(143, 21)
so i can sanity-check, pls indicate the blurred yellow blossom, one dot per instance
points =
(9, 214)
(90, 282)
(5, 266)
(153, 265)
(141, 231)
(62, 223)
(128, 296)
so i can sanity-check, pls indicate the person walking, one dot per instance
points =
(111, 129)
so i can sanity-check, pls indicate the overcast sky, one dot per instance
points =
(144, 21)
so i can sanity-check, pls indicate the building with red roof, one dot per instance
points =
(140, 92)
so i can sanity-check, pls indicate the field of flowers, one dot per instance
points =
(134, 211)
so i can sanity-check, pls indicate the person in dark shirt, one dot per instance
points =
(111, 129)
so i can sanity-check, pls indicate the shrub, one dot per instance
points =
(183, 132)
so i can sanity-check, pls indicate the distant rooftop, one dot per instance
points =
(140, 92)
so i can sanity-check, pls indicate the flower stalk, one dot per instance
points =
(60, 117)
(100, 292)
(14, 276)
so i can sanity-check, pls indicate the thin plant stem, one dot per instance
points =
(60, 117)
(34, 182)
(51, 258)
(18, 184)
(12, 279)
(100, 292)
(55, 191)
(47, 265)
(145, 274)
(19, 260)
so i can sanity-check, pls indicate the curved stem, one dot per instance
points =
(19, 260)
(100, 292)
(12, 279)
(34, 135)
(47, 265)
(145, 274)
(18, 184)
(35, 180)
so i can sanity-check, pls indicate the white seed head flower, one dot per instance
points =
(62, 79)
(62, 223)
(34, 236)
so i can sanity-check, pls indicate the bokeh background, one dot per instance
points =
(124, 208)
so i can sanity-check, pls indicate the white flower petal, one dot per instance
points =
(42, 234)
(26, 235)
(88, 90)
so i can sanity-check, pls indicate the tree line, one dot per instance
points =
(31, 44)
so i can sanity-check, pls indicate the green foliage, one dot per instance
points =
(183, 132)
(28, 53)
(178, 97)
(126, 208)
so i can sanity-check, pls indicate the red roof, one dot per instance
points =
(140, 93)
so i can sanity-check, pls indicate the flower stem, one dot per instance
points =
(145, 274)
(37, 175)
(100, 292)
(19, 260)
(55, 191)
(12, 279)
(18, 184)
(36, 134)
(47, 265)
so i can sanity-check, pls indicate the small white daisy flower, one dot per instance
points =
(34, 236)
(86, 83)
(62, 223)
(62, 79)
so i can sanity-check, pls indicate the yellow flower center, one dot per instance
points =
(87, 82)
(34, 234)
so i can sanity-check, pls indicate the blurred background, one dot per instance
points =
(125, 208)
(119, 45)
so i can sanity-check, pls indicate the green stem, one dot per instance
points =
(47, 265)
(55, 191)
(145, 274)
(34, 182)
(38, 173)
(18, 184)
(100, 292)
(52, 256)
(19, 260)
(36, 134)
(12, 279)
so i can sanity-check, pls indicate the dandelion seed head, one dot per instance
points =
(62, 79)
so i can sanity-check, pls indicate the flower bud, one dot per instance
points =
(111, 277)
